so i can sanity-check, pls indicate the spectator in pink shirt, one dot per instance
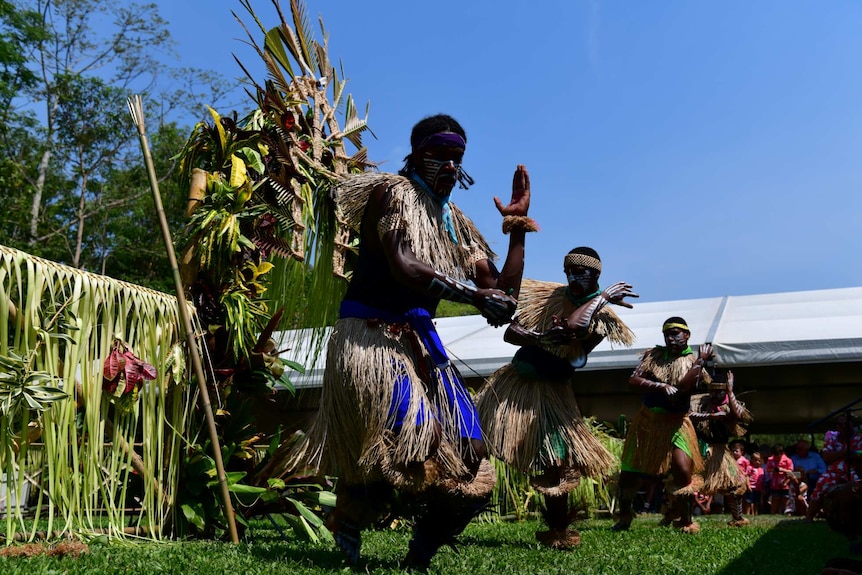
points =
(737, 449)
(778, 467)
(754, 497)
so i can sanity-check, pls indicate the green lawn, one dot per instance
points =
(770, 545)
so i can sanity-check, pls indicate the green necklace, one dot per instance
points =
(578, 302)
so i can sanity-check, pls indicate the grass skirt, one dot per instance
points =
(533, 425)
(352, 436)
(722, 474)
(649, 442)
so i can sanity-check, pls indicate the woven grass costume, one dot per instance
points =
(718, 416)
(661, 438)
(528, 407)
(394, 411)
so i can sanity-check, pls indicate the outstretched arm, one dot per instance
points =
(737, 411)
(509, 279)
(580, 319)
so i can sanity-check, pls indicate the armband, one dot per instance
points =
(522, 223)
(447, 288)
(389, 222)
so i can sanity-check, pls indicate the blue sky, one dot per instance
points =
(703, 148)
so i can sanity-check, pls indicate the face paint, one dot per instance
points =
(439, 166)
(440, 175)
(580, 280)
(676, 339)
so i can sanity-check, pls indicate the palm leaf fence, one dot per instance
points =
(84, 415)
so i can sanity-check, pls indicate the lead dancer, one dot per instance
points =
(394, 412)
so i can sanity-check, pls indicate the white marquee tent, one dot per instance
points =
(804, 327)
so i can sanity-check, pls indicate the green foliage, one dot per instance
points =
(454, 309)
(23, 389)
(77, 190)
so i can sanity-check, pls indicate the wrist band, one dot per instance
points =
(521, 223)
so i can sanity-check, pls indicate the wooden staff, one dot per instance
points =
(136, 108)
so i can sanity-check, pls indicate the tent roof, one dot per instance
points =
(822, 326)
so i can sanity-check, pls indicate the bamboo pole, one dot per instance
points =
(136, 109)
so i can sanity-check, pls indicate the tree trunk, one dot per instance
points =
(37, 196)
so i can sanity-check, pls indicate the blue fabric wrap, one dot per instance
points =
(418, 319)
(458, 399)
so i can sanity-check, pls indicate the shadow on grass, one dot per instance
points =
(791, 546)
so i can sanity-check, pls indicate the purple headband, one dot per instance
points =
(446, 139)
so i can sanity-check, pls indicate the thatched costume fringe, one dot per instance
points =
(479, 487)
(695, 486)
(569, 480)
(540, 301)
(419, 216)
(531, 421)
(650, 440)
(669, 371)
(654, 432)
(722, 474)
(352, 436)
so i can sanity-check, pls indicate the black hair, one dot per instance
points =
(583, 250)
(428, 127)
(675, 319)
(434, 125)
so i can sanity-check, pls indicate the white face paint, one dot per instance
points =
(431, 173)
(580, 280)
(676, 339)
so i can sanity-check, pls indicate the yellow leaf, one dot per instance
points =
(219, 127)
(237, 171)
(263, 268)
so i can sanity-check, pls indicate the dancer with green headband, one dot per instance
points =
(394, 412)
(661, 438)
(528, 407)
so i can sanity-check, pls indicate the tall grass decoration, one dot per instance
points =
(515, 499)
(76, 445)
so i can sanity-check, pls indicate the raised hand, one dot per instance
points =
(729, 380)
(615, 294)
(520, 202)
(705, 352)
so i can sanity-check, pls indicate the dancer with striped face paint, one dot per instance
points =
(528, 407)
(394, 411)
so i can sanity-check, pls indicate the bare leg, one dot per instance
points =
(628, 486)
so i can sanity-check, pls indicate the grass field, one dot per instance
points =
(770, 545)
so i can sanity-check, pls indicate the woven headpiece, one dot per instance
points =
(582, 260)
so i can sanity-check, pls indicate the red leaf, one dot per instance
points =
(133, 370)
(149, 372)
(112, 365)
